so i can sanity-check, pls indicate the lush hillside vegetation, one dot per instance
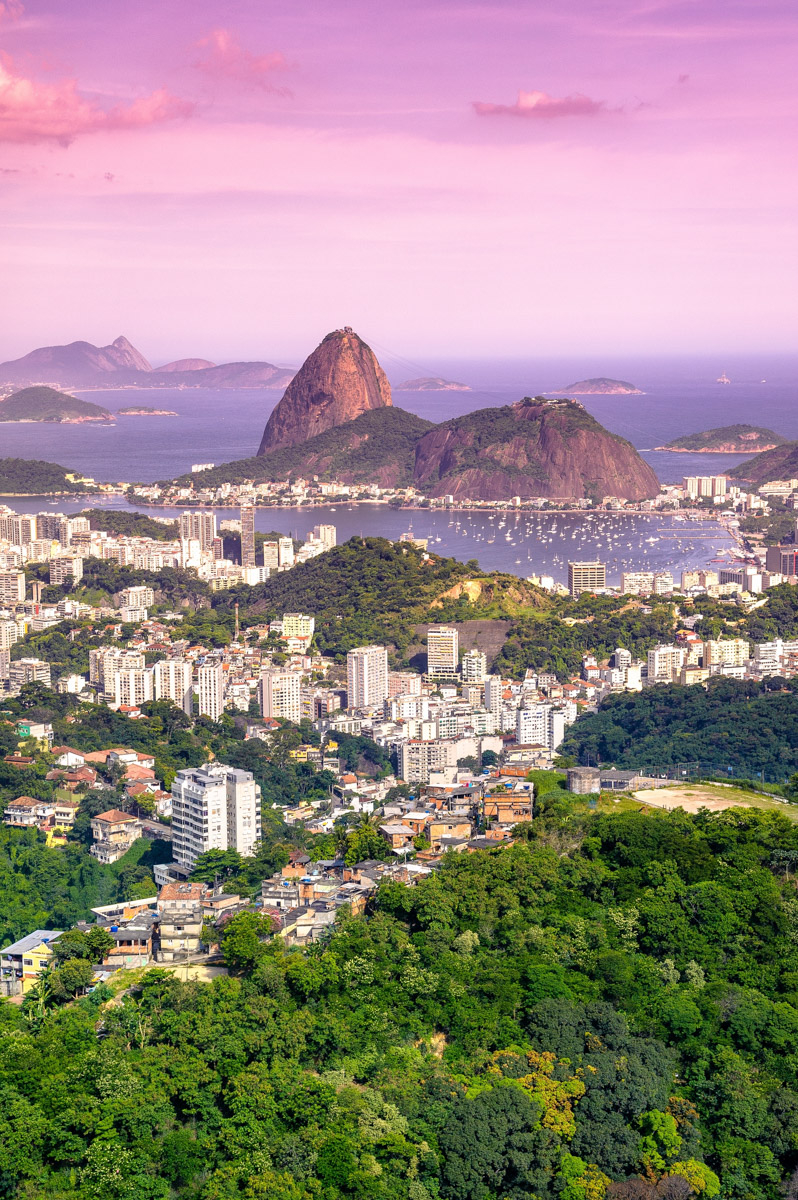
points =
(749, 727)
(34, 477)
(748, 438)
(382, 440)
(47, 404)
(372, 590)
(614, 1020)
(781, 463)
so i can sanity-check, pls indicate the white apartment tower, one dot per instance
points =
(285, 552)
(198, 526)
(280, 695)
(174, 678)
(443, 651)
(214, 808)
(133, 687)
(494, 694)
(474, 666)
(210, 691)
(326, 534)
(367, 676)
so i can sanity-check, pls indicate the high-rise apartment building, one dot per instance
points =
(586, 577)
(137, 597)
(9, 634)
(367, 676)
(732, 652)
(210, 691)
(665, 663)
(247, 535)
(133, 687)
(29, 670)
(474, 666)
(17, 528)
(637, 583)
(298, 625)
(281, 695)
(494, 694)
(12, 587)
(700, 487)
(214, 808)
(326, 534)
(271, 555)
(199, 526)
(104, 662)
(65, 568)
(174, 679)
(443, 651)
(285, 552)
(404, 683)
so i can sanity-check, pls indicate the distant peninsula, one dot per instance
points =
(48, 405)
(599, 387)
(33, 477)
(432, 383)
(727, 439)
(142, 410)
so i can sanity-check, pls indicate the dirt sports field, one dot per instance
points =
(692, 797)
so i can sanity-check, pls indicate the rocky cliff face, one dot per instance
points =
(534, 448)
(340, 380)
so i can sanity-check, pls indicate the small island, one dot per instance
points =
(727, 439)
(142, 410)
(599, 387)
(432, 383)
(34, 477)
(48, 405)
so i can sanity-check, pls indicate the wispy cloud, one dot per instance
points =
(10, 10)
(227, 59)
(31, 111)
(541, 106)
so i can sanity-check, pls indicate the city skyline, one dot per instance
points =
(450, 179)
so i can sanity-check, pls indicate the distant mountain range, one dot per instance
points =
(80, 364)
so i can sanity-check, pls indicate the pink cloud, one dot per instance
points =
(10, 10)
(540, 106)
(226, 59)
(57, 112)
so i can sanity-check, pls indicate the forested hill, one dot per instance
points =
(35, 477)
(372, 590)
(616, 1020)
(750, 728)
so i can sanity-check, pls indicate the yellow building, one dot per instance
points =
(22, 962)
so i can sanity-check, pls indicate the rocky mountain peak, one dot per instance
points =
(338, 382)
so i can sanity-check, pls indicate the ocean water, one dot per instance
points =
(680, 396)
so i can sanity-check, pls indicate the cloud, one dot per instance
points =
(540, 106)
(57, 112)
(10, 10)
(226, 59)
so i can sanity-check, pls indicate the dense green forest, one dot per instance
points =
(35, 477)
(746, 727)
(606, 1009)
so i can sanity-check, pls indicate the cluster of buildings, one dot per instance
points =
(64, 542)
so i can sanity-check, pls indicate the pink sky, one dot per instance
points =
(453, 178)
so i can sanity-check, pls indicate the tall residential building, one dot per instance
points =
(404, 683)
(174, 679)
(105, 661)
(285, 552)
(137, 597)
(665, 663)
(247, 535)
(17, 528)
(367, 676)
(199, 526)
(637, 583)
(782, 560)
(298, 625)
(586, 577)
(66, 567)
(443, 651)
(210, 691)
(214, 808)
(271, 555)
(494, 694)
(12, 587)
(532, 725)
(704, 486)
(133, 687)
(281, 695)
(29, 670)
(663, 583)
(731, 652)
(9, 634)
(474, 666)
(326, 534)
